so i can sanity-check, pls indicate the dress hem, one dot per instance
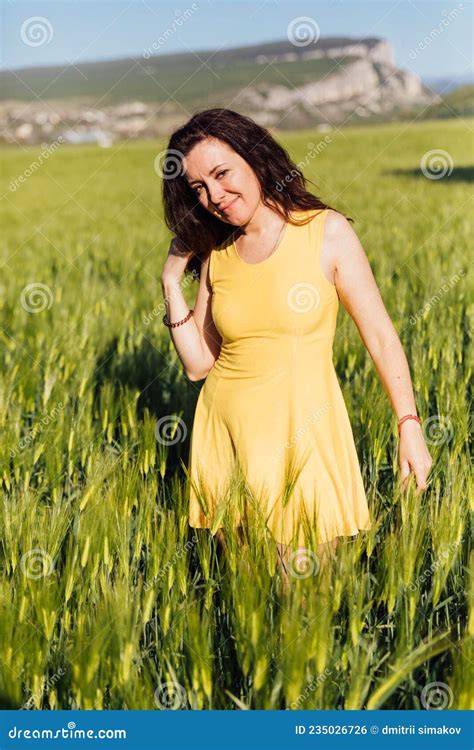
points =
(337, 535)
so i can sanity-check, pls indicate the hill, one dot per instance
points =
(335, 81)
(459, 102)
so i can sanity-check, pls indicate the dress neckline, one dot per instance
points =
(274, 252)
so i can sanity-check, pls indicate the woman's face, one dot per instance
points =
(222, 181)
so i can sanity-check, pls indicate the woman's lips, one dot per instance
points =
(229, 205)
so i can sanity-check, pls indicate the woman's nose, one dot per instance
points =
(216, 194)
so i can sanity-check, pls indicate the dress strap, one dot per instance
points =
(211, 264)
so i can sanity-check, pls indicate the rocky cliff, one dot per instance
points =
(281, 84)
(367, 83)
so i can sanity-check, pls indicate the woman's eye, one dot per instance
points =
(199, 187)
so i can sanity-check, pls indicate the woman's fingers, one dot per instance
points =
(421, 472)
(404, 473)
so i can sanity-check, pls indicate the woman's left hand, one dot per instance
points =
(413, 455)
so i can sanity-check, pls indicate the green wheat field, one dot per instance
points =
(108, 600)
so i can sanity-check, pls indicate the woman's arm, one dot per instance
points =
(358, 292)
(197, 341)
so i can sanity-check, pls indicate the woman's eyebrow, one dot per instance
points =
(192, 182)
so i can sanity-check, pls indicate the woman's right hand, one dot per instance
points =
(176, 262)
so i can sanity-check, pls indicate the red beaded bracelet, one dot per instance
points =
(407, 416)
(179, 322)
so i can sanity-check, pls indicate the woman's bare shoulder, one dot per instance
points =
(336, 225)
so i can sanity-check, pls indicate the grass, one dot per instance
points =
(108, 599)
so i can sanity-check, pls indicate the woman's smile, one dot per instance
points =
(225, 209)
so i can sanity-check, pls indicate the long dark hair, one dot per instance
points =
(196, 228)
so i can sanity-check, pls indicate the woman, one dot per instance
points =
(274, 262)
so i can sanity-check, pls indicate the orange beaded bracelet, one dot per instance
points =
(179, 322)
(407, 416)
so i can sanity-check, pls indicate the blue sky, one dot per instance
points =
(80, 30)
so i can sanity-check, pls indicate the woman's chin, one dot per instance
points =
(238, 217)
(235, 220)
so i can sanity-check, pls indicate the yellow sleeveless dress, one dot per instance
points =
(270, 418)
